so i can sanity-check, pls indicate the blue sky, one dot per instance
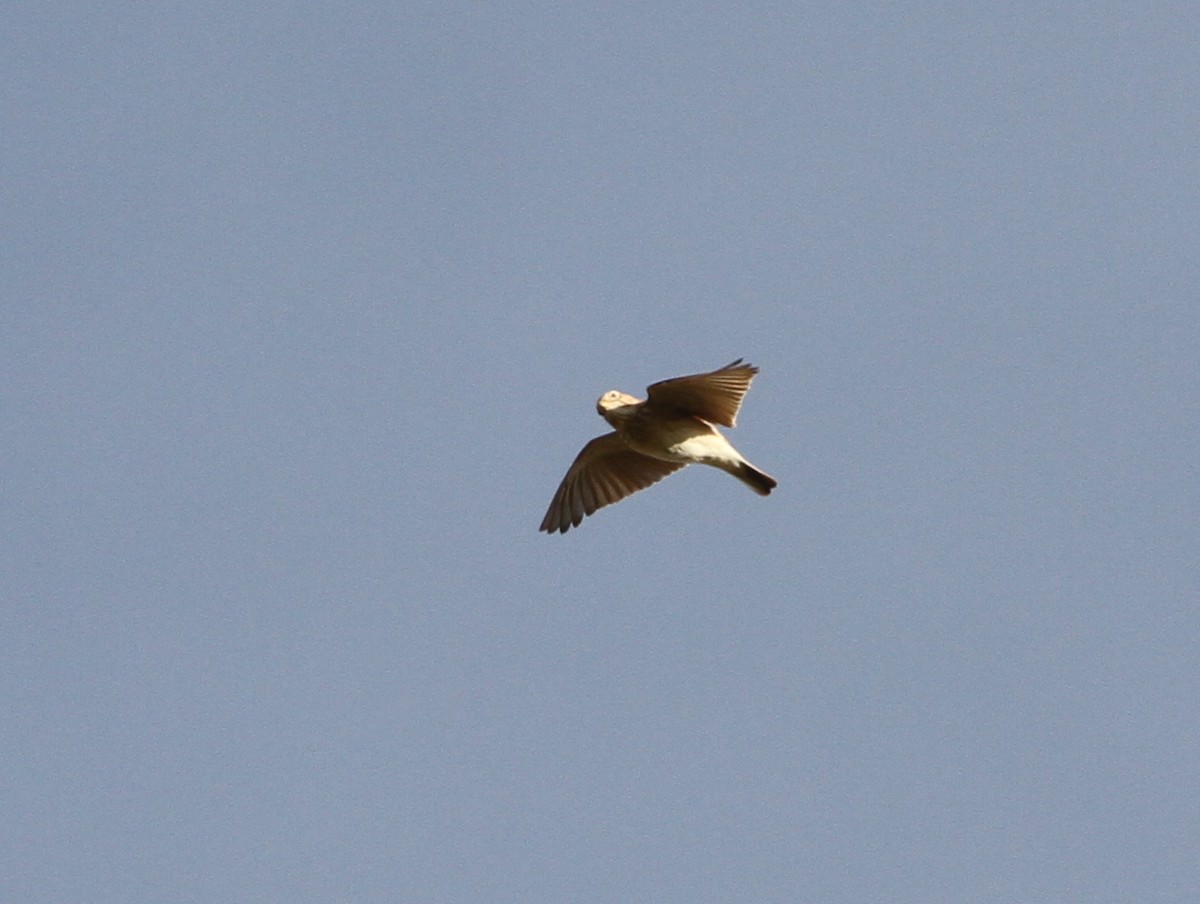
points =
(305, 311)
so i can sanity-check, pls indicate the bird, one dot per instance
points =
(676, 425)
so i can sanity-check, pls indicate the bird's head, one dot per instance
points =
(614, 406)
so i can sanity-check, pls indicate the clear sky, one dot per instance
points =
(305, 309)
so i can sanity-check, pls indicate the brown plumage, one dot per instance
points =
(673, 427)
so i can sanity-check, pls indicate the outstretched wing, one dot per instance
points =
(715, 396)
(604, 472)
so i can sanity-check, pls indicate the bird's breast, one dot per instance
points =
(669, 438)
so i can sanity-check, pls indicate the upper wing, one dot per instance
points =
(605, 471)
(715, 396)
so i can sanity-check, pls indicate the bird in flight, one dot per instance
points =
(675, 426)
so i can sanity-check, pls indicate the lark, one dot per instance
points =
(676, 425)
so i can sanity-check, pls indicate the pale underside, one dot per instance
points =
(673, 426)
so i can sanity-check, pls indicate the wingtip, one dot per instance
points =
(742, 364)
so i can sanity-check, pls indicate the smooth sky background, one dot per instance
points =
(305, 310)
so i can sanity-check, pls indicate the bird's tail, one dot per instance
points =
(757, 480)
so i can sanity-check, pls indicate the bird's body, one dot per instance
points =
(682, 438)
(673, 427)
